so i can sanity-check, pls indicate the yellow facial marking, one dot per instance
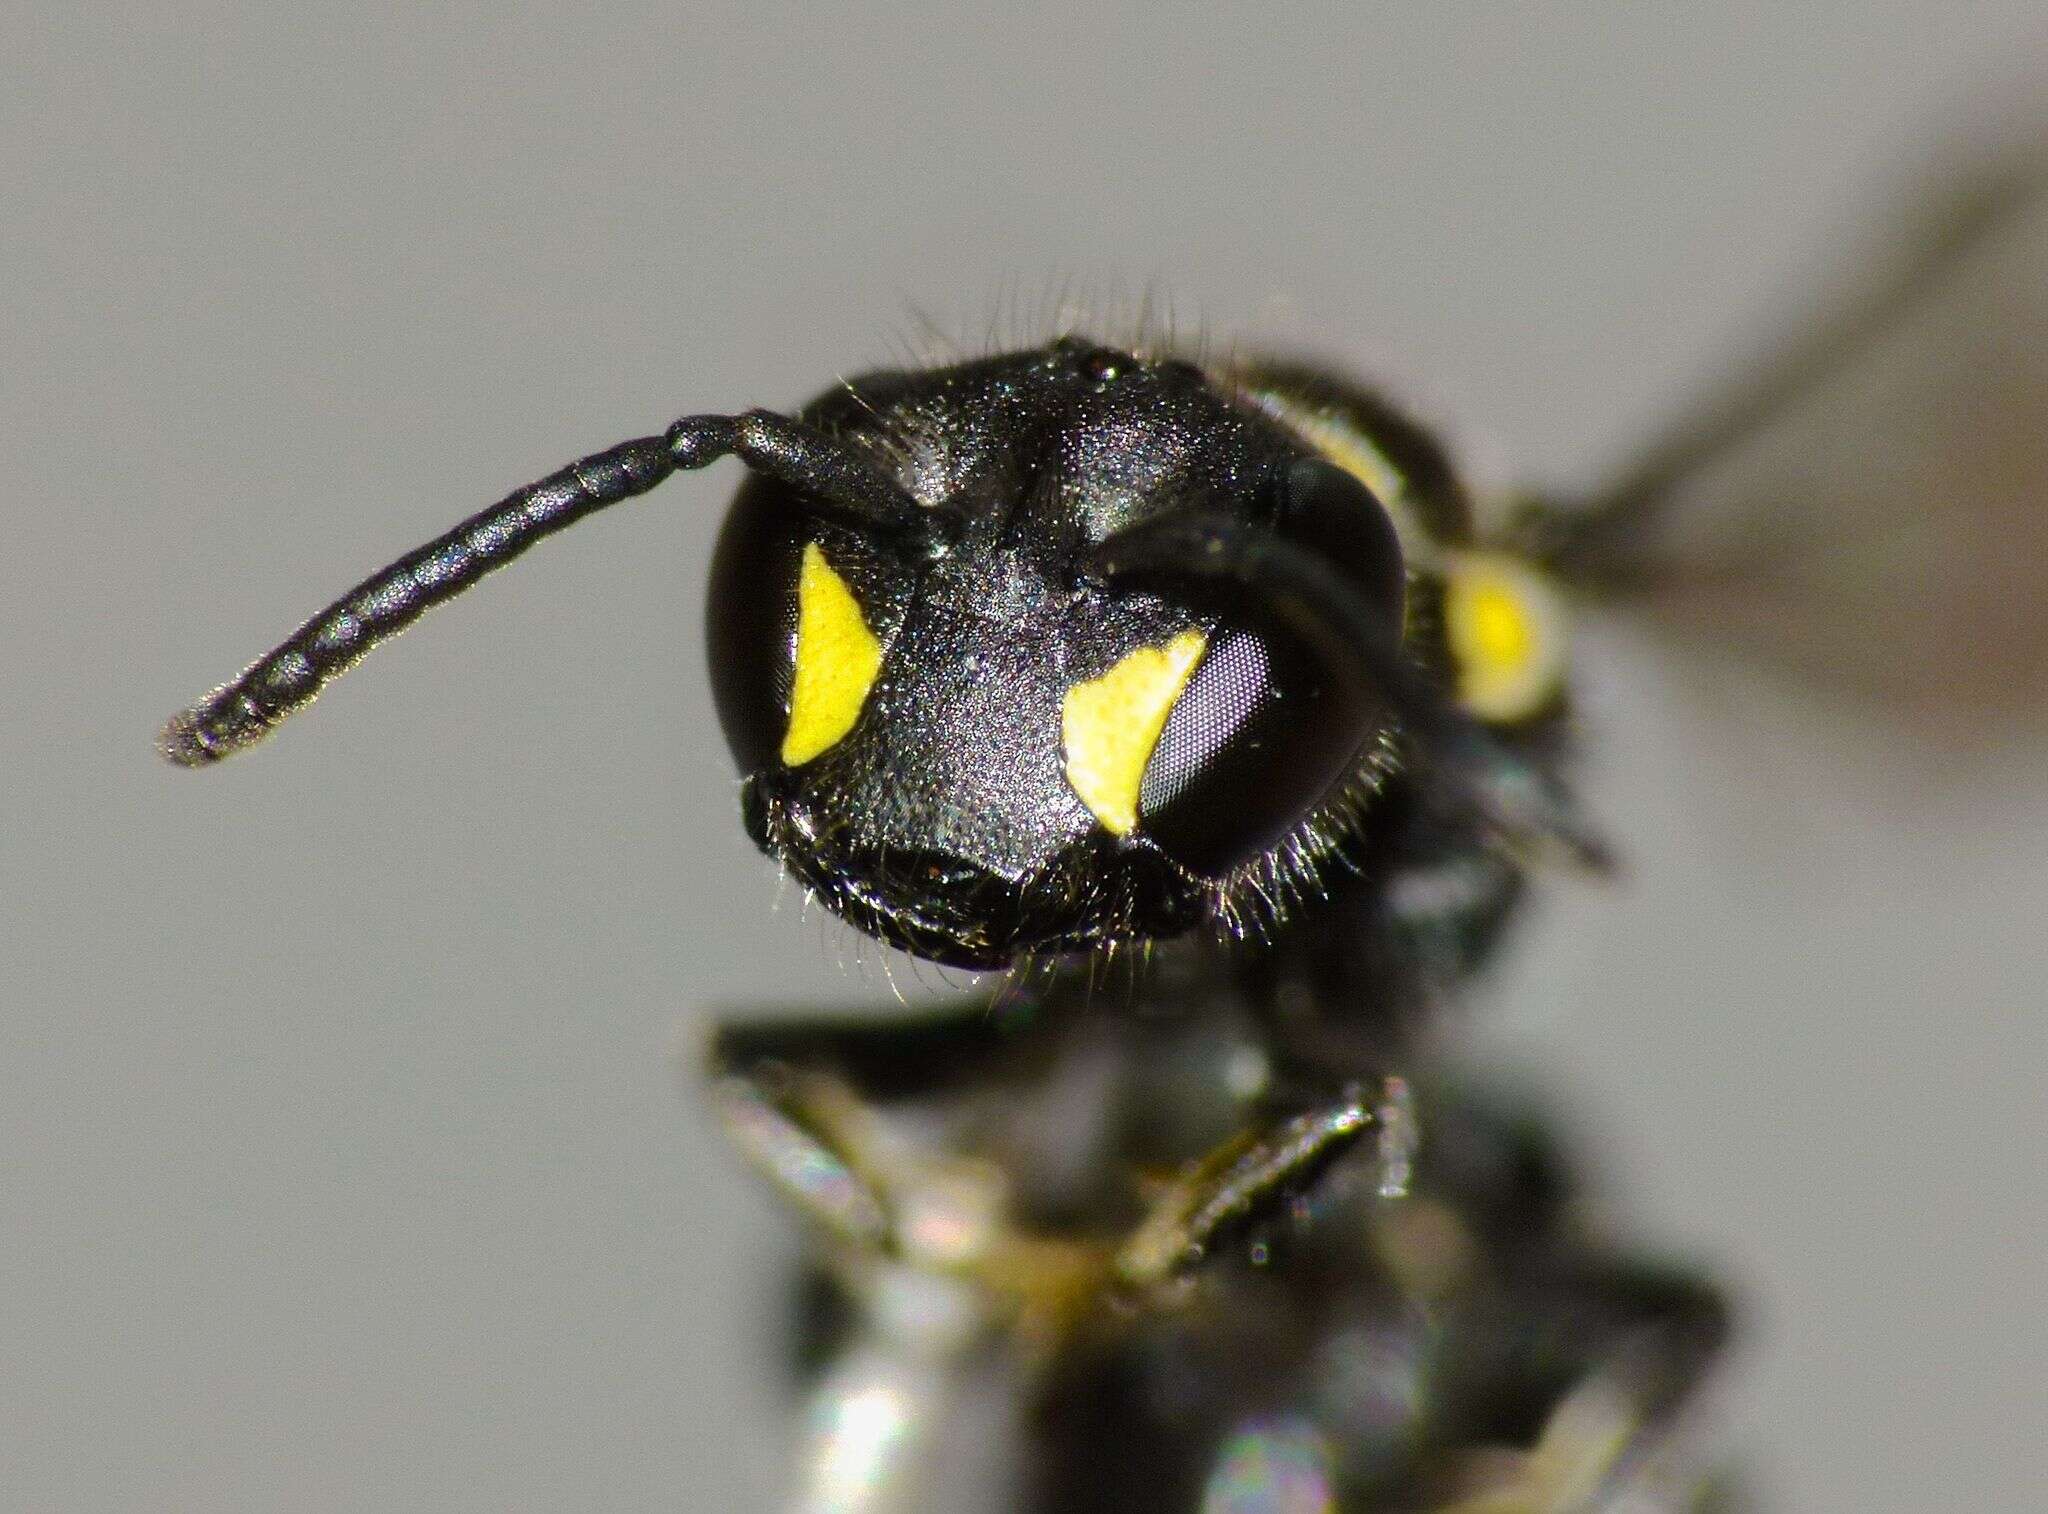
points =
(837, 658)
(1507, 633)
(1109, 726)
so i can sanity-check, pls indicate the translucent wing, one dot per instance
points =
(1869, 506)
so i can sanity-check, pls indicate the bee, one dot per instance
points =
(1083, 652)
(1097, 652)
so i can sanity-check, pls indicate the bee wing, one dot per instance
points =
(1869, 506)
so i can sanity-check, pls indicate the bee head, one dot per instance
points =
(989, 741)
(1060, 650)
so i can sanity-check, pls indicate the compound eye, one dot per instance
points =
(794, 635)
(1329, 510)
(1260, 737)
(1262, 733)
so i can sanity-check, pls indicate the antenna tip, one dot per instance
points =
(183, 742)
(210, 730)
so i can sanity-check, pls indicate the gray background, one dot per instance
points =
(345, 1154)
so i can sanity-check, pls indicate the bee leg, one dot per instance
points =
(805, 1102)
(808, 1134)
(920, 1228)
(894, 1302)
(1253, 1176)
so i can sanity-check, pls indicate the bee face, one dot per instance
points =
(987, 748)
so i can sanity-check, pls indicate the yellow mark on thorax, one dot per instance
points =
(1506, 627)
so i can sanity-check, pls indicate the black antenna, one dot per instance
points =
(839, 480)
